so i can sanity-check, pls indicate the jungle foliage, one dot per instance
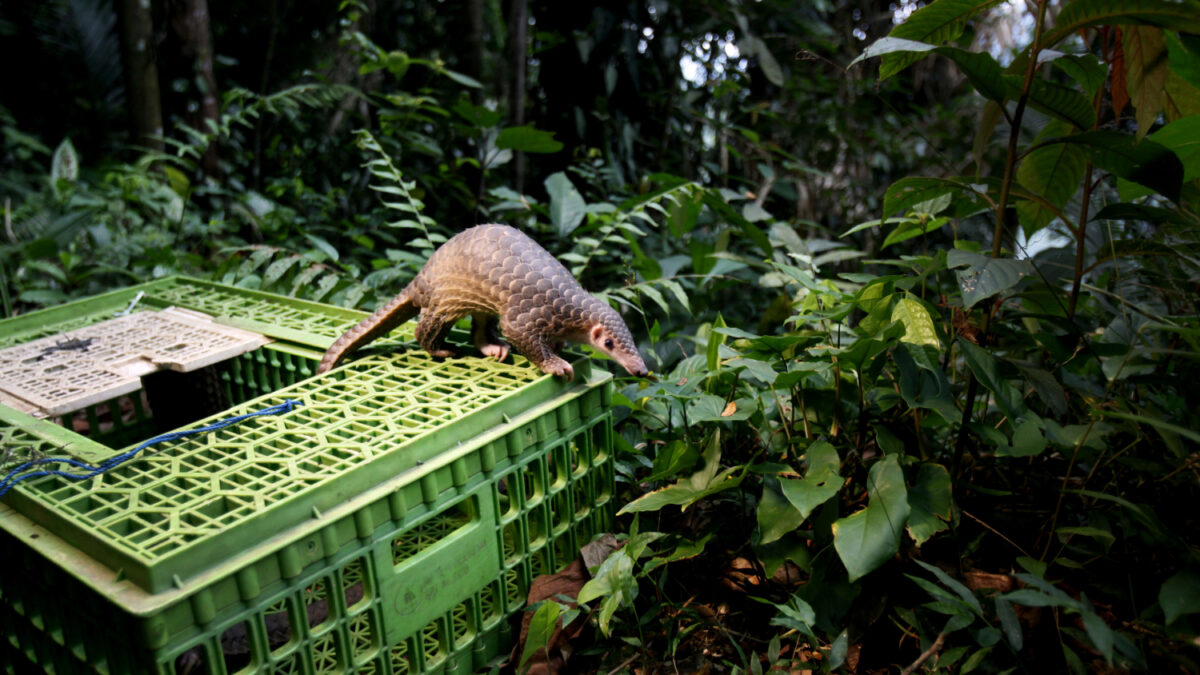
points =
(922, 307)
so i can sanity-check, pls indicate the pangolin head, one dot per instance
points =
(610, 335)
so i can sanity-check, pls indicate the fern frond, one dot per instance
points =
(396, 194)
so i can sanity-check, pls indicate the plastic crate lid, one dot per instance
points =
(63, 373)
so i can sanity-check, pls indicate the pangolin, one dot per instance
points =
(495, 272)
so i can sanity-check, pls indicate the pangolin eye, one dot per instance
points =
(608, 344)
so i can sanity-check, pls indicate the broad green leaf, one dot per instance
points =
(1180, 596)
(759, 370)
(908, 192)
(567, 207)
(541, 627)
(985, 368)
(918, 326)
(710, 408)
(1054, 172)
(1181, 98)
(930, 502)
(1145, 73)
(477, 115)
(913, 227)
(527, 139)
(867, 539)
(709, 480)
(1027, 441)
(980, 68)
(1085, 69)
(672, 459)
(615, 583)
(985, 276)
(687, 548)
(776, 516)
(938, 22)
(1182, 137)
(1079, 14)
(1058, 101)
(820, 483)
(924, 386)
(1184, 55)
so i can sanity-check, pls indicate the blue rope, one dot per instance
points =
(12, 478)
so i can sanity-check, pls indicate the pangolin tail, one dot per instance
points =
(400, 309)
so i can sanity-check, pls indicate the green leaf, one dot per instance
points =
(913, 227)
(985, 276)
(527, 139)
(1180, 596)
(1079, 14)
(464, 80)
(567, 207)
(1183, 138)
(1010, 624)
(1098, 632)
(65, 163)
(930, 502)
(821, 481)
(541, 628)
(867, 539)
(955, 585)
(776, 516)
(674, 458)
(1184, 57)
(985, 368)
(918, 326)
(709, 480)
(615, 583)
(1105, 537)
(323, 246)
(1053, 172)
(1149, 214)
(1058, 101)
(1027, 441)
(1087, 70)
(910, 191)
(1146, 73)
(938, 22)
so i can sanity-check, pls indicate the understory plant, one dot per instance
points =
(967, 450)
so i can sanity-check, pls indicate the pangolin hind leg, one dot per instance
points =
(431, 332)
(487, 337)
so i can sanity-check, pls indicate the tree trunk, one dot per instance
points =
(473, 57)
(141, 74)
(191, 23)
(518, 22)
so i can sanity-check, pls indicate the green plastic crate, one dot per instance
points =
(391, 524)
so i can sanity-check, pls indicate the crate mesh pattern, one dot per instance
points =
(392, 524)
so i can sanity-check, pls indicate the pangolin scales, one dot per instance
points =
(490, 272)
